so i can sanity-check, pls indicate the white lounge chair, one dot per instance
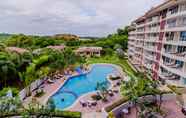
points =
(50, 81)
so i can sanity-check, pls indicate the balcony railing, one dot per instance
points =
(148, 65)
(155, 29)
(178, 13)
(178, 71)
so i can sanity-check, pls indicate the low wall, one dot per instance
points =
(165, 97)
(33, 86)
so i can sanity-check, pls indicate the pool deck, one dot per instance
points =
(51, 89)
(100, 104)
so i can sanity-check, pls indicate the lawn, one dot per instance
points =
(114, 59)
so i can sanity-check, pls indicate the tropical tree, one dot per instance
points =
(7, 68)
(128, 90)
(102, 88)
(136, 88)
(36, 70)
(2, 47)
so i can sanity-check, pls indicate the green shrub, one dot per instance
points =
(3, 92)
(39, 93)
(43, 113)
(111, 115)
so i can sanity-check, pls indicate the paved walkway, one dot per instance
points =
(172, 109)
(49, 90)
(100, 104)
(93, 115)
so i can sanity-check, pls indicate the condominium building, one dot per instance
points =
(157, 42)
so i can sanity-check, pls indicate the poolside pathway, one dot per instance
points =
(100, 104)
(172, 109)
(93, 115)
(49, 90)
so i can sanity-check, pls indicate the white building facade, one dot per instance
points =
(157, 42)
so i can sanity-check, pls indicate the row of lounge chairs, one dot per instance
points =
(58, 76)
(88, 103)
(55, 77)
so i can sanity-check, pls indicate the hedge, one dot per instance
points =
(57, 113)
(116, 104)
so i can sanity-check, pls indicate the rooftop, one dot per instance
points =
(57, 47)
(82, 49)
(17, 50)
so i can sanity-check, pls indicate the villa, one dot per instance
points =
(17, 50)
(57, 47)
(89, 51)
(157, 42)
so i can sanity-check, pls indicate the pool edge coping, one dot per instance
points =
(117, 67)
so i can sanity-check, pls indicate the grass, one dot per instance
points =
(114, 59)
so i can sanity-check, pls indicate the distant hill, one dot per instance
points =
(4, 36)
(89, 38)
(66, 37)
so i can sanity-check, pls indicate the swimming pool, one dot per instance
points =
(76, 86)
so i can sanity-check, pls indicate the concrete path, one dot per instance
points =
(93, 115)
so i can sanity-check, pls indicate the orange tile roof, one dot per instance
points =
(17, 50)
(57, 47)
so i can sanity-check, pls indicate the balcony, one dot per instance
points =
(173, 68)
(169, 76)
(149, 57)
(150, 48)
(175, 26)
(132, 37)
(154, 20)
(151, 39)
(173, 79)
(175, 55)
(132, 32)
(152, 30)
(176, 14)
(140, 25)
(174, 42)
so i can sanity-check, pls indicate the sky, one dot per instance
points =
(80, 17)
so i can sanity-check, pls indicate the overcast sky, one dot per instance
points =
(81, 17)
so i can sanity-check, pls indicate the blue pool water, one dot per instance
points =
(76, 86)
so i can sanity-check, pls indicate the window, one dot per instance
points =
(170, 35)
(180, 63)
(174, 10)
(171, 23)
(184, 80)
(181, 49)
(184, 21)
(183, 36)
(183, 7)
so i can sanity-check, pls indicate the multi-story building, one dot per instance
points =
(157, 42)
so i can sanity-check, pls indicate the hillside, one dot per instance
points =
(4, 36)
(66, 37)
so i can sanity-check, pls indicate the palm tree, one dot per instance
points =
(34, 71)
(7, 68)
(136, 88)
(128, 90)
(2, 47)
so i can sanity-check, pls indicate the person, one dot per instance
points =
(62, 99)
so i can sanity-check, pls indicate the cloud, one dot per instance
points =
(81, 17)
